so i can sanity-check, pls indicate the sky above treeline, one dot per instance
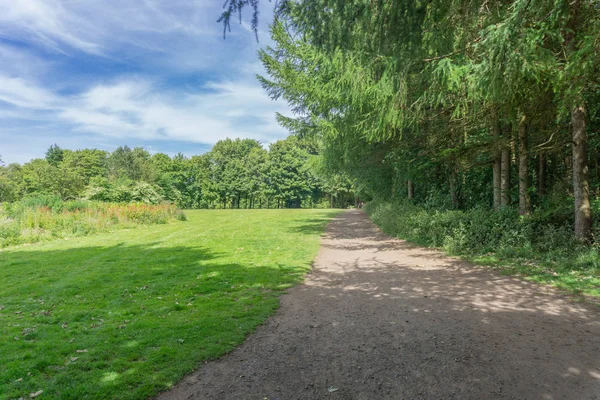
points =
(151, 73)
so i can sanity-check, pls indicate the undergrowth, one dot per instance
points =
(540, 247)
(47, 217)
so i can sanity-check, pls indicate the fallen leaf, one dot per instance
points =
(36, 394)
(332, 389)
(82, 351)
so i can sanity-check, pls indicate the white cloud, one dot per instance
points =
(45, 21)
(100, 27)
(139, 109)
(65, 74)
(20, 93)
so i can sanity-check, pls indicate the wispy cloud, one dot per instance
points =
(20, 93)
(137, 108)
(128, 71)
(45, 21)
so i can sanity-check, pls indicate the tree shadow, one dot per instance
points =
(144, 314)
(380, 318)
(314, 226)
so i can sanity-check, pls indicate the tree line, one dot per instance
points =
(448, 103)
(236, 173)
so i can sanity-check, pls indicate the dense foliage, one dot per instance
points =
(234, 174)
(536, 247)
(443, 103)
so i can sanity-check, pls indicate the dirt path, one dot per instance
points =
(379, 318)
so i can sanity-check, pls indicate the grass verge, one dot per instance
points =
(126, 315)
(529, 247)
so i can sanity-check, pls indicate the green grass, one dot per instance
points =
(126, 315)
(533, 248)
(583, 283)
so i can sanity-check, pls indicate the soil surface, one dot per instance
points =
(379, 318)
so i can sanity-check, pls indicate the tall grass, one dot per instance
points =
(46, 217)
(541, 246)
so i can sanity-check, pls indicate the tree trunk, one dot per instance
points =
(497, 162)
(505, 178)
(524, 196)
(411, 190)
(542, 174)
(581, 185)
(453, 189)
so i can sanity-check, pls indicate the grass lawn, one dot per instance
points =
(127, 314)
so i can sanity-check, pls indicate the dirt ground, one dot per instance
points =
(379, 318)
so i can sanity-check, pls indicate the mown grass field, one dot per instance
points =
(125, 315)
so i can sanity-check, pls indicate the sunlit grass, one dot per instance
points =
(126, 315)
(534, 250)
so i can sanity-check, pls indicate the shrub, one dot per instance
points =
(477, 231)
(32, 220)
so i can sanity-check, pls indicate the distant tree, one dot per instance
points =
(287, 179)
(54, 155)
(39, 176)
(10, 182)
(120, 163)
(229, 161)
(87, 163)
(134, 164)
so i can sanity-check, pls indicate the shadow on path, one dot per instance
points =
(379, 318)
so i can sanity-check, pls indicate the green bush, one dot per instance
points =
(9, 233)
(478, 230)
(41, 218)
(124, 192)
(541, 246)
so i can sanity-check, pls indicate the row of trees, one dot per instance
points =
(234, 174)
(445, 101)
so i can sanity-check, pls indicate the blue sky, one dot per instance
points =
(150, 73)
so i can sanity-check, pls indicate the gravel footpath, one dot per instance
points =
(379, 318)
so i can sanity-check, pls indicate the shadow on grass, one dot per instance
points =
(125, 321)
(576, 278)
(382, 318)
(316, 226)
